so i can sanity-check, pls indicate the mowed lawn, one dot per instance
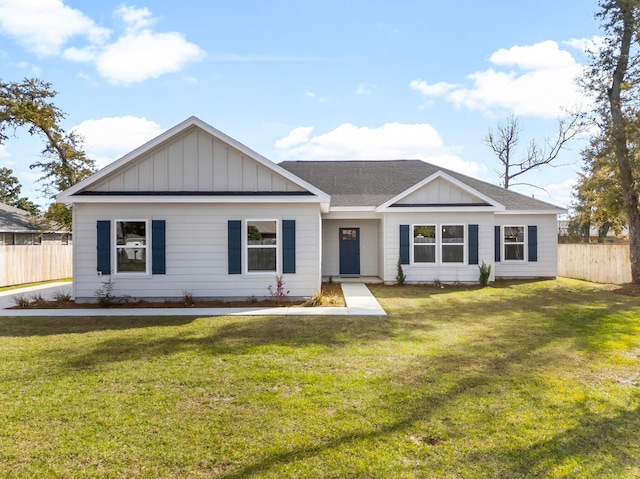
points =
(524, 379)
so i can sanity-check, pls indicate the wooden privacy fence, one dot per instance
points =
(601, 263)
(32, 263)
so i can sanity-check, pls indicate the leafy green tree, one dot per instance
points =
(27, 205)
(598, 195)
(30, 104)
(613, 78)
(59, 214)
(9, 187)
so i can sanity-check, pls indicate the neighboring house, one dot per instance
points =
(194, 210)
(31, 251)
(20, 228)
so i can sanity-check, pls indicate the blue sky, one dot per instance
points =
(363, 79)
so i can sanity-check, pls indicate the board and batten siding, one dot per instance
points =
(448, 273)
(369, 246)
(546, 265)
(197, 250)
(195, 161)
(439, 191)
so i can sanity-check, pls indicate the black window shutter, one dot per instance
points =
(158, 247)
(533, 243)
(104, 246)
(288, 246)
(234, 239)
(496, 243)
(473, 244)
(404, 244)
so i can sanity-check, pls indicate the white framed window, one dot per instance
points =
(262, 244)
(513, 241)
(424, 244)
(131, 246)
(438, 244)
(452, 243)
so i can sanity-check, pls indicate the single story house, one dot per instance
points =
(20, 228)
(195, 210)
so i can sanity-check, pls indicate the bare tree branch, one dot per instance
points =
(504, 144)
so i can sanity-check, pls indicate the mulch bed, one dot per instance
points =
(332, 291)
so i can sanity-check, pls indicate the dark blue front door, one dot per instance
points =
(349, 250)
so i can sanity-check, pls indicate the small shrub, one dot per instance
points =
(278, 293)
(252, 300)
(106, 297)
(330, 279)
(187, 298)
(438, 284)
(401, 278)
(318, 299)
(21, 301)
(63, 296)
(38, 300)
(485, 273)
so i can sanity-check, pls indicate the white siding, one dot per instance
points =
(195, 161)
(369, 246)
(448, 273)
(438, 192)
(196, 251)
(547, 264)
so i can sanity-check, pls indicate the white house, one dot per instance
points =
(194, 210)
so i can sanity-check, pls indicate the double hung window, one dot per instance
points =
(424, 244)
(262, 246)
(452, 243)
(443, 244)
(514, 243)
(131, 246)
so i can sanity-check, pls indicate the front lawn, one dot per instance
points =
(525, 379)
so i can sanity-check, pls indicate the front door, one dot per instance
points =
(349, 250)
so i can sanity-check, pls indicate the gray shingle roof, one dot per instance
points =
(15, 220)
(371, 183)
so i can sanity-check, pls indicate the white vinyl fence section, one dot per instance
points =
(600, 263)
(32, 263)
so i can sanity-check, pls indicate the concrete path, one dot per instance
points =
(360, 302)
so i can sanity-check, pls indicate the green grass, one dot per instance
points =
(526, 379)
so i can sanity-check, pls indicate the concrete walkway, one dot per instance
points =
(360, 302)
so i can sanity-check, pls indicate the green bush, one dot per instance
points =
(485, 273)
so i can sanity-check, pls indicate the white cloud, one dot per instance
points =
(436, 89)
(135, 18)
(584, 45)
(297, 136)
(541, 56)
(365, 89)
(107, 139)
(139, 56)
(387, 142)
(44, 26)
(3, 152)
(541, 82)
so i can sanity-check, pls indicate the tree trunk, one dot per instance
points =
(619, 134)
(585, 231)
(603, 231)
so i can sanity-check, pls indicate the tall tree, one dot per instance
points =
(30, 104)
(505, 140)
(598, 194)
(613, 78)
(9, 187)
